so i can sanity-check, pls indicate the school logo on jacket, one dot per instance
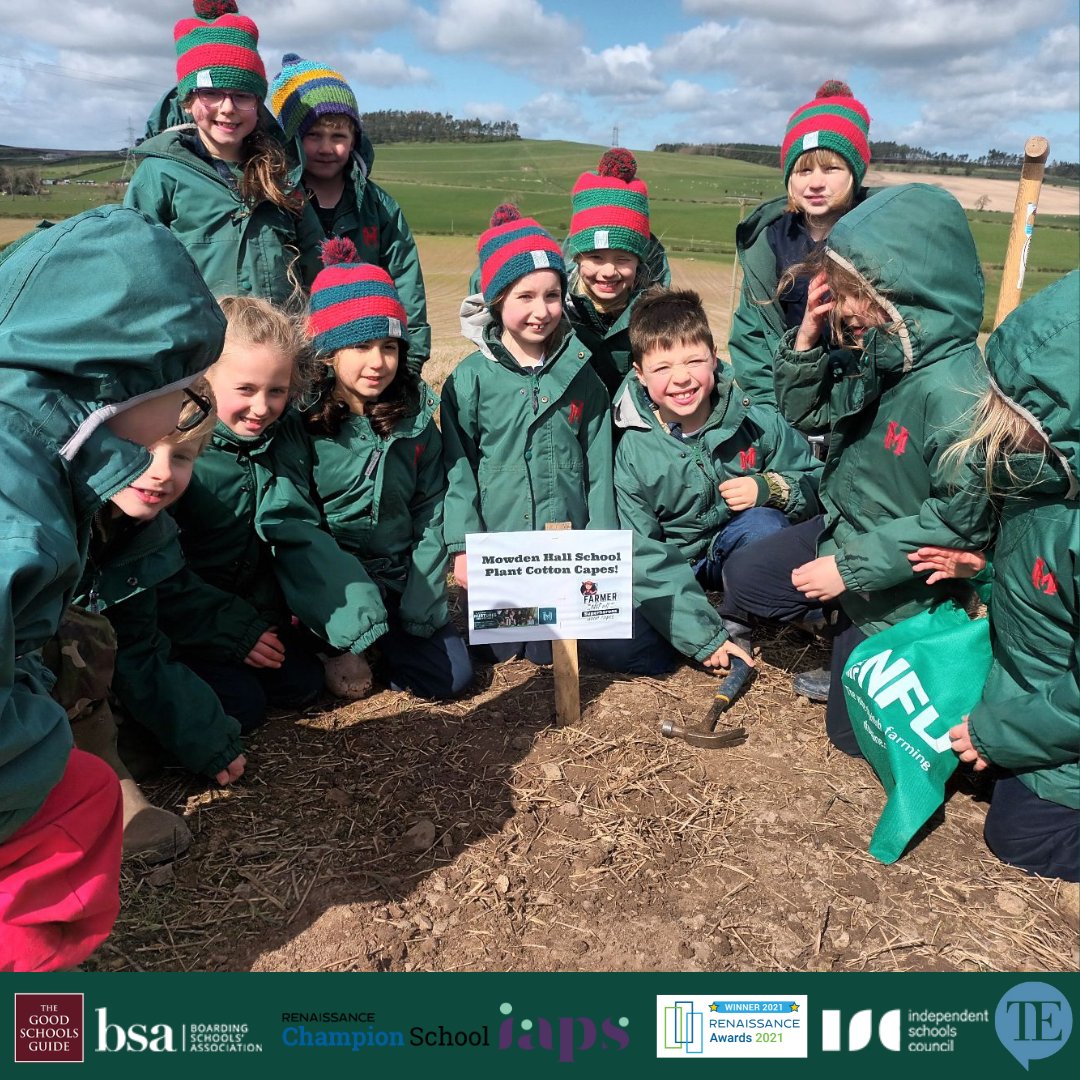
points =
(748, 459)
(418, 453)
(371, 235)
(896, 438)
(576, 410)
(1043, 578)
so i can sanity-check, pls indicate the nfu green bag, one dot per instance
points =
(905, 688)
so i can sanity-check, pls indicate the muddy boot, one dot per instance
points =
(150, 833)
(348, 676)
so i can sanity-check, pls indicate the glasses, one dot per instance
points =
(241, 99)
(203, 408)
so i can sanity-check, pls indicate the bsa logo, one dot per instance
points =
(371, 235)
(576, 409)
(896, 438)
(748, 459)
(1043, 579)
(48, 1027)
(860, 1030)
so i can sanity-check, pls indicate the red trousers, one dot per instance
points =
(60, 872)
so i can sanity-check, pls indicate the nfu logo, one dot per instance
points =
(112, 1038)
(568, 1035)
(860, 1030)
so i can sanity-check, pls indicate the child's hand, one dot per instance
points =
(946, 563)
(233, 771)
(818, 306)
(819, 579)
(723, 656)
(460, 575)
(962, 745)
(740, 493)
(267, 652)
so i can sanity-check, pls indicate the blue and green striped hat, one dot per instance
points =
(304, 90)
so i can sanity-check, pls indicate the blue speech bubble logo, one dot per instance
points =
(1033, 1021)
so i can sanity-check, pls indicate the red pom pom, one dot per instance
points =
(214, 9)
(619, 163)
(834, 88)
(338, 249)
(503, 213)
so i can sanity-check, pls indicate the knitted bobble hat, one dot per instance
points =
(835, 121)
(610, 207)
(513, 247)
(304, 90)
(352, 302)
(218, 48)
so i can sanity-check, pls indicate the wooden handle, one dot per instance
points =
(1036, 151)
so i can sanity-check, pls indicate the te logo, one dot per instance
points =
(747, 459)
(896, 438)
(138, 1037)
(1043, 578)
(860, 1030)
(568, 1035)
(1033, 1021)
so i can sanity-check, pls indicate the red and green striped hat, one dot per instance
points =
(835, 121)
(513, 247)
(610, 208)
(353, 302)
(218, 48)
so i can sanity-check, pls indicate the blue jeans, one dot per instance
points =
(745, 528)
(437, 668)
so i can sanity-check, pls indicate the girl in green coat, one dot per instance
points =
(228, 184)
(378, 472)
(1026, 438)
(526, 422)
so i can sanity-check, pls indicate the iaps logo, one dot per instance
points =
(565, 1036)
(48, 1027)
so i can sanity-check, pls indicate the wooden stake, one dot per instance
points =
(1036, 151)
(564, 656)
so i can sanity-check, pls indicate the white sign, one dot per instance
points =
(540, 586)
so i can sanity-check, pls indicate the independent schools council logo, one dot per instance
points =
(48, 1027)
(860, 1030)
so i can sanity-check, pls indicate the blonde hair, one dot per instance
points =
(254, 321)
(997, 430)
(197, 438)
(821, 157)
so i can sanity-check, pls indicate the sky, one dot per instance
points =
(955, 75)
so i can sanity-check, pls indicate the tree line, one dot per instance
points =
(885, 152)
(398, 125)
(20, 181)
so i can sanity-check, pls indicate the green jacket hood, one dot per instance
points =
(97, 314)
(1033, 358)
(478, 326)
(632, 407)
(913, 246)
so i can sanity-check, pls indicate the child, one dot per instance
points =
(526, 422)
(239, 532)
(104, 323)
(902, 284)
(378, 471)
(698, 476)
(615, 259)
(1026, 435)
(315, 104)
(135, 575)
(824, 158)
(225, 184)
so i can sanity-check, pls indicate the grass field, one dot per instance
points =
(451, 188)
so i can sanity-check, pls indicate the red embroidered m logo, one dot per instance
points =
(418, 453)
(896, 438)
(1043, 579)
(748, 459)
(371, 235)
(576, 409)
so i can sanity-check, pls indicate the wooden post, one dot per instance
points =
(1036, 151)
(564, 657)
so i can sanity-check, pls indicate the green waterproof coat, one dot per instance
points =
(667, 492)
(247, 527)
(895, 407)
(240, 250)
(97, 314)
(373, 221)
(757, 327)
(137, 584)
(524, 446)
(1029, 717)
(382, 500)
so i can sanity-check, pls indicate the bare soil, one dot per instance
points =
(1000, 194)
(396, 835)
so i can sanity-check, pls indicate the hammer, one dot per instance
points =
(726, 692)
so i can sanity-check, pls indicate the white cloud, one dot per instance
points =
(508, 32)
(489, 111)
(625, 71)
(377, 67)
